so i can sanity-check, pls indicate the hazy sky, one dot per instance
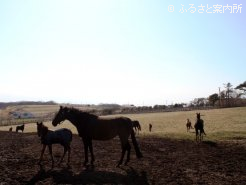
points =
(120, 51)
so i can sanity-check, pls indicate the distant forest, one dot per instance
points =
(6, 104)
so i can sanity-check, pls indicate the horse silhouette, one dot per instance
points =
(20, 127)
(188, 125)
(61, 136)
(150, 127)
(91, 127)
(199, 127)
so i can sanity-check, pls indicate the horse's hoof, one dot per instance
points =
(68, 166)
(118, 165)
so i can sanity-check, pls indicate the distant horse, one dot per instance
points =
(91, 127)
(20, 127)
(61, 136)
(10, 129)
(150, 127)
(136, 125)
(199, 127)
(188, 125)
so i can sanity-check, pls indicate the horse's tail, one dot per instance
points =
(135, 144)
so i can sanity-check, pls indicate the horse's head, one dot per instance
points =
(198, 115)
(60, 116)
(41, 129)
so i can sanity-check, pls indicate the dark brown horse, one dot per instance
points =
(136, 125)
(20, 127)
(91, 127)
(61, 136)
(188, 125)
(150, 127)
(199, 127)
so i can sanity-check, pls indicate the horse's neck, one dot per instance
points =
(78, 119)
(199, 121)
(45, 131)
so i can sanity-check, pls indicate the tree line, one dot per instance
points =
(226, 97)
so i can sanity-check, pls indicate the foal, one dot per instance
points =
(61, 136)
(188, 125)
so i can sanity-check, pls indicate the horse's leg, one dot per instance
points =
(123, 148)
(128, 148)
(64, 153)
(135, 144)
(123, 151)
(51, 155)
(200, 135)
(42, 153)
(86, 151)
(91, 151)
(196, 134)
(68, 157)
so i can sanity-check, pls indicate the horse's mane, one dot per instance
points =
(85, 115)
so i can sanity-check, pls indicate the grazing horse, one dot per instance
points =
(188, 125)
(20, 127)
(136, 125)
(91, 127)
(199, 128)
(61, 136)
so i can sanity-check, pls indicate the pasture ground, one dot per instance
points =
(171, 156)
(165, 161)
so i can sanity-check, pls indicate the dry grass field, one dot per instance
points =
(220, 124)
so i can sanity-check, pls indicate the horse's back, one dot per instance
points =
(65, 134)
(62, 136)
(105, 129)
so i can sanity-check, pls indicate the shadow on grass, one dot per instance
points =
(90, 176)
